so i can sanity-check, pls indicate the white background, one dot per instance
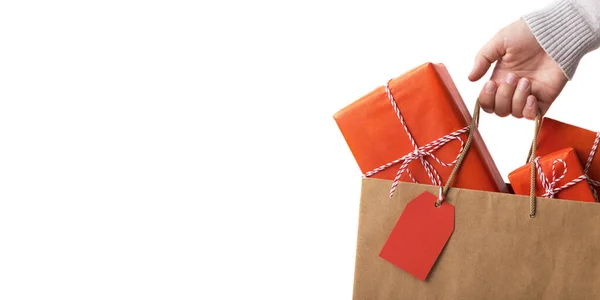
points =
(187, 150)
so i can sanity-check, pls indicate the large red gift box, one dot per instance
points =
(416, 128)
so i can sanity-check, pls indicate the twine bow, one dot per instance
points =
(550, 186)
(419, 153)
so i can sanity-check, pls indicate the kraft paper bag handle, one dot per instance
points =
(531, 160)
(532, 151)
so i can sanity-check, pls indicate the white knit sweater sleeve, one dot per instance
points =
(567, 30)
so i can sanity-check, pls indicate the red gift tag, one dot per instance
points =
(419, 235)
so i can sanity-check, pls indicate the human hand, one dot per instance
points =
(525, 78)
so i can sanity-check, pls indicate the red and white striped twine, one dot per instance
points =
(419, 152)
(550, 186)
(594, 184)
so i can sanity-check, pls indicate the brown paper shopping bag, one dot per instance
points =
(503, 246)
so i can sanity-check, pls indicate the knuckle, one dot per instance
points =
(517, 114)
(503, 114)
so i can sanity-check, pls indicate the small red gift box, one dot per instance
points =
(555, 135)
(559, 175)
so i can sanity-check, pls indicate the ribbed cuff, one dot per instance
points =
(564, 33)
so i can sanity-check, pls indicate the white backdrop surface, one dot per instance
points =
(187, 150)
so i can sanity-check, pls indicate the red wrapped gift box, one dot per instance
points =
(555, 135)
(559, 175)
(417, 131)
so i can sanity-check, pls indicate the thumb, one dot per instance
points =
(491, 52)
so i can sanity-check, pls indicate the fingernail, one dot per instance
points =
(523, 84)
(530, 102)
(511, 78)
(490, 87)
